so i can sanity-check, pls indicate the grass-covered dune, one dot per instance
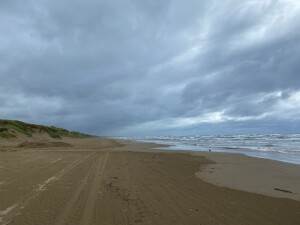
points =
(13, 128)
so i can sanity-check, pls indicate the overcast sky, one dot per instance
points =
(152, 67)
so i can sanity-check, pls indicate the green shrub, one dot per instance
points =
(7, 135)
(53, 134)
(3, 129)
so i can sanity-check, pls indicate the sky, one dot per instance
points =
(152, 67)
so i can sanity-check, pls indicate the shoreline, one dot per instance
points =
(280, 157)
(256, 175)
(243, 172)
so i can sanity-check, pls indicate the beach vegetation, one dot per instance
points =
(11, 128)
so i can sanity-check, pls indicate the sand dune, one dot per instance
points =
(43, 144)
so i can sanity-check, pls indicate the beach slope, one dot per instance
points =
(101, 181)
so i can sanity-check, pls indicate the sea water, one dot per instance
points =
(281, 147)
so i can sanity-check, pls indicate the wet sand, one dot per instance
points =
(99, 181)
(262, 176)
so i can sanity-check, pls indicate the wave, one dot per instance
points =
(269, 146)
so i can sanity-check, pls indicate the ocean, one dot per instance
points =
(280, 147)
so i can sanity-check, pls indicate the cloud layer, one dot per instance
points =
(129, 67)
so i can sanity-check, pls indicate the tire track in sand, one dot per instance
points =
(22, 203)
(66, 212)
(92, 197)
(211, 206)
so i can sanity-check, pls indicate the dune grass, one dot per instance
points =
(10, 128)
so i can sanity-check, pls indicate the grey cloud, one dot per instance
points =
(114, 67)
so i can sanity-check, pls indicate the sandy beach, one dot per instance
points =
(262, 176)
(102, 181)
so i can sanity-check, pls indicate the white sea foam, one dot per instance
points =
(282, 147)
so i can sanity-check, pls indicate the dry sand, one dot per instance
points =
(99, 181)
